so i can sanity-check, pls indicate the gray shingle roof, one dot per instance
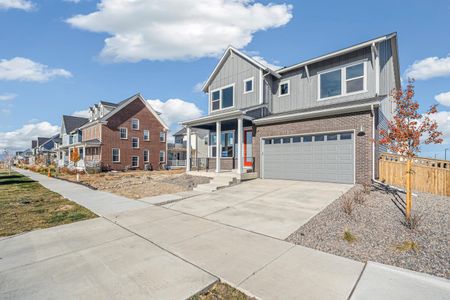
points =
(71, 122)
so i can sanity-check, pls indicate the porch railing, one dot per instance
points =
(176, 163)
(204, 163)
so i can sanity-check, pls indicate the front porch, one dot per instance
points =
(230, 145)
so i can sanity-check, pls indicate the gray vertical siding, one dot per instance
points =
(304, 91)
(236, 70)
(387, 75)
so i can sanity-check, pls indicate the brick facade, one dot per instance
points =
(353, 121)
(110, 137)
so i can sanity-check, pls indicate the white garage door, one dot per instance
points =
(317, 157)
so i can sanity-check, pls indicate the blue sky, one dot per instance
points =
(169, 64)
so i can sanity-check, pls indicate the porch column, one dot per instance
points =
(188, 149)
(240, 140)
(218, 145)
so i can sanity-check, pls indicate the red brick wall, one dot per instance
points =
(111, 137)
(352, 121)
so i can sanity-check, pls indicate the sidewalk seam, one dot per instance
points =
(357, 282)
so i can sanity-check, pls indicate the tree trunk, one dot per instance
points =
(408, 188)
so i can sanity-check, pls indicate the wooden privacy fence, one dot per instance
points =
(429, 175)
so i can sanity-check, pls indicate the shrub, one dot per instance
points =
(413, 222)
(408, 246)
(359, 197)
(348, 236)
(367, 188)
(347, 203)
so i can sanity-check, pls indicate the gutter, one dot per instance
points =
(373, 141)
(316, 113)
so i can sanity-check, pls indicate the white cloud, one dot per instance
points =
(21, 138)
(264, 62)
(7, 97)
(24, 69)
(429, 67)
(81, 113)
(178, 29)
(16, 4)
(443, 120)
(198, 86)
(443, 98)
(174, 111)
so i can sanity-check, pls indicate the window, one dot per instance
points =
(162, 156)
(284, 88)
(307, 138)
(332, 137)
(319, 138)
(343, 81)
(146, 135)
(135, 142)
(248, 85)
(135, 161)
(146, 155)
(227, 141)
(286, 140)
(123, 133)
(115, 155)
(268, 141)
(296, 139)
(277, 141)
(135, 124)
(222, 98)
(346, 136)
(162, 136)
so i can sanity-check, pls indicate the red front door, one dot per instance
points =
(248, 140)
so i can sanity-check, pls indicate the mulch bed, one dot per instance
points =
(379, 232)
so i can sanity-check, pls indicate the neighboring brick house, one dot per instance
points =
(317, 120)
(126, 135)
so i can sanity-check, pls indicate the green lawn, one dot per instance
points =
(26, 205)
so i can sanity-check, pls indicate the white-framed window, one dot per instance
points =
(135, 161)
(146, 155)
(146, 135)
(162, 156)
(115, 155)
(248, 85)
(135, 124)
(342, 81)
(222, 98)
(227, 142)
(162, 136)
(284, 89)
(123, 133)
(135, 143)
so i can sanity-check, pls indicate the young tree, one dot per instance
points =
(75, 157)
(408, 131)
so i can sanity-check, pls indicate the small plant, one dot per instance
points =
(413, 222)
(407, 246)
(348, 236)
(359, 197)
(347, 203)
(367, 188)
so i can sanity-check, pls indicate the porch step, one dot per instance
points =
(216, 183)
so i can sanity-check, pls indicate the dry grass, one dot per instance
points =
(347, 203)
(359, 197)
(407, 246)
(222, 291)
(349, 237)
(413, 222)
(26, 205)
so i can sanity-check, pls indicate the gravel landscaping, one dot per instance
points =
(374, 230)
(222, 291)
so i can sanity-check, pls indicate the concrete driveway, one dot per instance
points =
(271, 207)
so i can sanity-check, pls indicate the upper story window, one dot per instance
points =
(135, 142)
(123, 133)
(248, 85)
(135, 124)
(146, 135)
(284, 88)
(146, 155)
(343, 81)
(222, 98)
(162, 136)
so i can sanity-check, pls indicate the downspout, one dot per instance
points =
(373, 141)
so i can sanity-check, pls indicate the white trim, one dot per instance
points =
(343, 69)
(188, 148)
(135, 119)
(112, 155)
(133, 156)
(288, 81)
(261, 87)
(164, 136)
(373, 142)
(148, 136)
(210, 146)
(252, 79)
(164, 156)
(220, 89)
(126, 133)
(148, 155)
(132, 142)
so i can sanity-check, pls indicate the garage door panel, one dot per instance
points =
(331, 161)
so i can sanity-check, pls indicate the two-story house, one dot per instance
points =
(177, 150)
(70, 138)
(316, 120)
(126, 135)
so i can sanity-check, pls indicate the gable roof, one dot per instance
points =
(225, 56)
(106, 103)
(71, 123)
(199, 131)
(42, 140)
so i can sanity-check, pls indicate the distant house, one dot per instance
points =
(116, 136)
(44, 151)
(177, 150)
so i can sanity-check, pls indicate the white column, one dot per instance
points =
(188, 149)
(218, 145)
(240, 135)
